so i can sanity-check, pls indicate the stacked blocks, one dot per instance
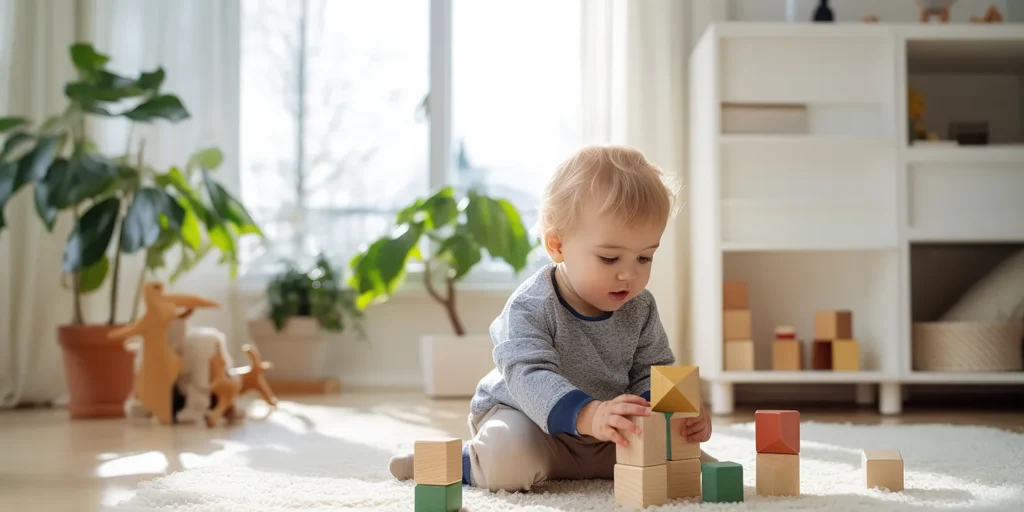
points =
(437, 471)
(721, 482)
(683, 460)
(787, 352)
(883, 469)
(777, 441)
(737, 326)
(641, 472)
(834, 341)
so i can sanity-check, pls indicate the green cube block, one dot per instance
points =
(721, 482)
(439, 498)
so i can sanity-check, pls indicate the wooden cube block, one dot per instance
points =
(721, 482)
(846, 355)
(678, 447)
(778, 474)
(883, 468)
(648, 448)
(736, 324)
(640, 486)
(777, 431)
(832, 325)
(735, 295)
(683, 478)
(787, 355)
(821, 355)
(739, 356)
(675, 389)
(437, 462)
(438, 498)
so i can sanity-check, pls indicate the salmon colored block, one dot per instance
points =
(777, 431)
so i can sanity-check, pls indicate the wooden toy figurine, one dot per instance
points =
(227, 384)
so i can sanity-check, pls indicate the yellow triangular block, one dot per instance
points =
(675, 389)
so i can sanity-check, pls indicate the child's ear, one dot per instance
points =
(553, 245)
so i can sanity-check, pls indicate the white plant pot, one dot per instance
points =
(453, 365)
(298, 352)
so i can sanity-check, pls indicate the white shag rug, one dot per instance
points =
(946, 468)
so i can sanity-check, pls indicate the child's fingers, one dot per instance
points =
(625, 409)
(697, 427)
(632, 399)
(624, 425)
(617, 438)
(698, 436)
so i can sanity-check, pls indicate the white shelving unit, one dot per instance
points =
(826, 217)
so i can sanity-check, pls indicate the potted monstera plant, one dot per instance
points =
(459, 231)
(120, 207)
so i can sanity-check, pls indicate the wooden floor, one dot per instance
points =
(50, 463)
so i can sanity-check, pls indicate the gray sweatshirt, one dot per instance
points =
(551, 360)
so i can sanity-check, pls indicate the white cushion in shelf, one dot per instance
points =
(997, 297)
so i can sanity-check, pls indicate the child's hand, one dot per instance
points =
(698, 430)
(606, 421)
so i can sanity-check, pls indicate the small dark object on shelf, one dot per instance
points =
(969, 133)
(823, 12)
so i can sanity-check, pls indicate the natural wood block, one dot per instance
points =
(821, 355)
(640, 486)
(438, 498)
(777, 431)
(736, 324)
(647, 448)
(721, 482)
(778, 474)
(678, 447)
(683, 478)
(675, 389)
(735, 295)
(787, 355)
(786, 332)
(846, 355)
(739, 355)
(832, 325)
(437, 462)
(883, 468)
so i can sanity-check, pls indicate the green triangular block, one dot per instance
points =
(721, 482)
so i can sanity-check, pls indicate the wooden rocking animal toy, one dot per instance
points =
(227, 384)
(160, 365)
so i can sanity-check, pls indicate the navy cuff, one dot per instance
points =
(466, 468)
(646, 395)
(563, 416)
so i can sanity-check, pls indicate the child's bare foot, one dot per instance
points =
(402, 467)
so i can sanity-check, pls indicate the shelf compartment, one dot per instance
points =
(807, 224)
(959, 200)
(808, 376)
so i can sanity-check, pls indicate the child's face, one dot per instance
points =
(606, 262)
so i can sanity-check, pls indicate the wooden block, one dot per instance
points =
(821, 355)
(787, 355)
(675, 389)
(778, 474)
(304, 387)
(736, 325)
(640, 486)
(648, 448)
(721, 482)
(678, 447)
(735, 295)
(883, 468)
(437, 462)
(739, 356)
(846, 355)
(832, 325)
(777, 431)
(683, 478)
(786, 332)
(438, 498)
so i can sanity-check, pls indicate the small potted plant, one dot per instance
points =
(120, 207)
(303, 308)
(459, 231)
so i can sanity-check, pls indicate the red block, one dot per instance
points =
(777, 431)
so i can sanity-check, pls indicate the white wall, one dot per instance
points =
(888, 11)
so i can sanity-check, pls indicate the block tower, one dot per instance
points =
(835, 348)
(437, 470)
(777, 435)
(737, 328)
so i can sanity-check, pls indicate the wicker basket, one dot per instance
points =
(968, 346)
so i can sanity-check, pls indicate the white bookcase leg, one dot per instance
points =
(865, 394)
(890, 398)
(721, 398)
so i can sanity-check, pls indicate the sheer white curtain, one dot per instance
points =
(634, 76)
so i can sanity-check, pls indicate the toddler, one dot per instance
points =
(575, 342)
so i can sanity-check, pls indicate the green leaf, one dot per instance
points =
(496, 226)
(141, 226)
(176, 179)
(9, 123)
(208, 159)
(188, 262)
(103, 87)
(518, 239)
(92, 176)
(37, 162)
(461, 252)
(152, 80)
(395, 254)
(8, 173)
(166, 106)
(86, 58)
(92, 277)
(436, 211)
(91, 235)
(190, 232)
(173, 213)
(15, 144)
(155, 253)
(50, 189)
(222, 239)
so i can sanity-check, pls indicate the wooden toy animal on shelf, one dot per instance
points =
(992, 15)
(938, 8)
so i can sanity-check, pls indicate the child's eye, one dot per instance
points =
(645, 259)
(608, 260)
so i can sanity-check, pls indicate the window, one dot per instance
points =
(336, 133)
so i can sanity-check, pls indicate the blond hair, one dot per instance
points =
(618, 178)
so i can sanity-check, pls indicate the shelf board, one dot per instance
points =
(965, 377)
(813, 376)
(744, 139)
(974, 236)
(990, 154)
(782, 247)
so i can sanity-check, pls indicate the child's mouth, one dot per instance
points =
(619, 295)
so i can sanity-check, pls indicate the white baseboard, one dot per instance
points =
(381, 381)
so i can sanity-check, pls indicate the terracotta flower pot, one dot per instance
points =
(98, 370)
